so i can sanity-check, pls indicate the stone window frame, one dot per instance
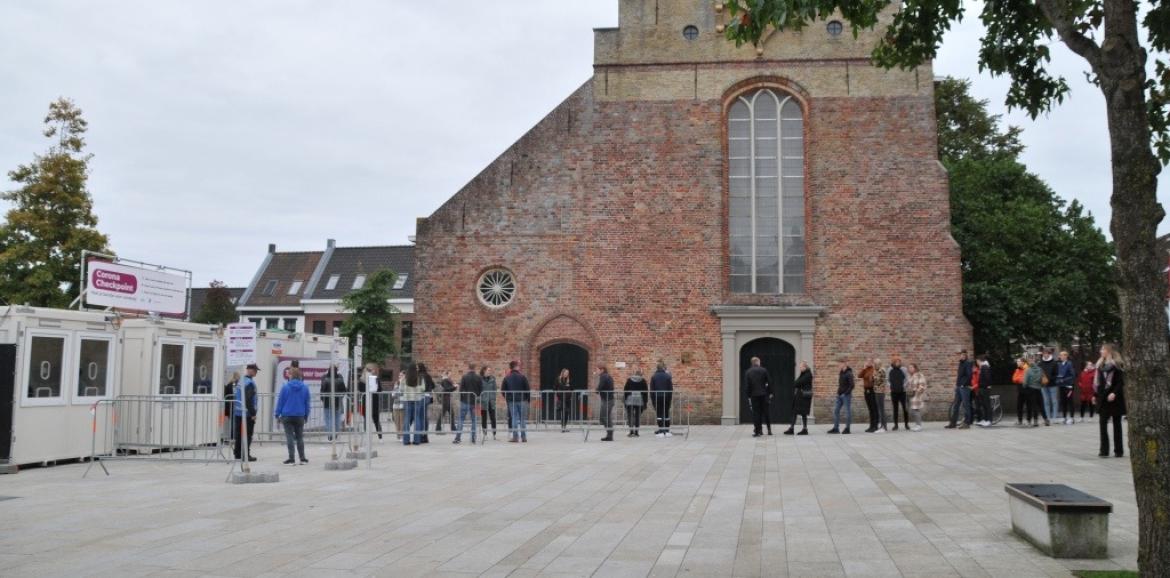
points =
(746, 93)
(478, 288)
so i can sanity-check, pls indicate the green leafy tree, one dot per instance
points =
(1108, 36)
(52, 219)
(218, 308)
(373, 317)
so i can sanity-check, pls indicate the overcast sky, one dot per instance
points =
(220, 127)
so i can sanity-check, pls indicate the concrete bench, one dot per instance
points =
(1060, 521)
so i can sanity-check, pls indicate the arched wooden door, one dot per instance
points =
(779, 358)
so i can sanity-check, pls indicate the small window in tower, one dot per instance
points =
(835, 28)
(691, 32)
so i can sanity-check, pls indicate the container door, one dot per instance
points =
(7, 399)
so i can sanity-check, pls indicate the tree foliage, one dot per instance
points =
(1034, 269)
(52, 220)
(218, 308)
(373, 317)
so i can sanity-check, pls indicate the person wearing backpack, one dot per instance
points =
(635, 401)
(1034, 383)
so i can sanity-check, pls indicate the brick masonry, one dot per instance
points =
(611, 214)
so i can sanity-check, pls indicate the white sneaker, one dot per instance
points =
(879, 430)
(659, 435)
(670, 435)
(916, 428)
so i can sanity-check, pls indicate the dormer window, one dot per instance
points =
(331, 284)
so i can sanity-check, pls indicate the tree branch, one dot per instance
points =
(1067, 29)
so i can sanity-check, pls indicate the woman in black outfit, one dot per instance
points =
(1110, 399)
(635, 401)
(564, 389)
(801, 400)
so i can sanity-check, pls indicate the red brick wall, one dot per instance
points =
(612, 214)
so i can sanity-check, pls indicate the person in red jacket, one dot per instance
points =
(1088, 393)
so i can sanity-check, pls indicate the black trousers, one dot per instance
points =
(1021, 403)
(871, 406)
(447, 409)
(1066, 401)
(1035, 404)
(634, 416)
(662, 401)
(1090, 405)
(489, 410)
(251, 425)
(760, 414)
(1118, 446)
(565, 402)
(896, 398)
(607, 415)
(985, 403)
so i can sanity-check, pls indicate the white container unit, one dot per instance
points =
(54, 365)
(172, 385)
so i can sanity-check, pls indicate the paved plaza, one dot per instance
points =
(720, 503)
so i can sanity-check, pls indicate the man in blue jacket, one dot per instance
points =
(244, 405)
(292, 408)
(962, 401)
(661, 394)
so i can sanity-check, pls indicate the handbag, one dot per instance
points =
(806, 393)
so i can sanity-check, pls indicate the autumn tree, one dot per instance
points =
(1108, 36)
(52, 220)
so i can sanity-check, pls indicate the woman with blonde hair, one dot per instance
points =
(1110, 399)
(564, 392)
(917, 386)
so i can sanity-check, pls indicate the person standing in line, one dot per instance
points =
(879, 393)
(1021, 392)
(977, 410)
(662, 392)
(507, 411)
(1110, 399)
(244, 409)
(1049, 391)
(898, 378)
(866, 377)
(757, 386)
(516, 393)
(1066, 379)
(1034, 383)
(414, 405)
(470, 388)
(985, 379)
(292, 407)
(427, 399)
(399, 409)
(564, 399)
(372, 371)
(229, 396)
(962, 401)
(918, 395)
(1087, 384)
(635, 400)
(605, 396)
(333, 392)
(845, 384)
(446, 392)
(487, 401)
(802, 393)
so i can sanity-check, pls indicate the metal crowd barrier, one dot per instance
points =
(668, 411)
(153, 427)
(581, 410)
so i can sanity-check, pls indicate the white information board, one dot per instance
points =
(241, 344)
(124, 287)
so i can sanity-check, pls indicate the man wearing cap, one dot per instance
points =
(245, 405)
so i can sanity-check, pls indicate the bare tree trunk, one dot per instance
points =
(1141, 284)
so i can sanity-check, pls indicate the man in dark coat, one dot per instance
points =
(333, 392)
(470, 388)
(662, 394)
(757, 385)
(845, 384)
(517, 393)
(605, 395)
(962, 401)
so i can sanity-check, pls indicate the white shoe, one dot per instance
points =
(879, 430)
(916, 428)
(659, 435)
(670, 435)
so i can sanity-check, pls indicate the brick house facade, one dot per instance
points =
(616, 218)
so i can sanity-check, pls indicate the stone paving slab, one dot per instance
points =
(717, 504)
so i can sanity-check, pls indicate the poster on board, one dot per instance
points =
(241, 344)
(125, 287)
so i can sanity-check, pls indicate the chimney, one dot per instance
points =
(271, 248)
(330, 243)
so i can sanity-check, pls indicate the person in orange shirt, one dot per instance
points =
(1018, 379)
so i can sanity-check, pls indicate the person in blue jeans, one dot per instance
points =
(292, 408)
(962, 401)
(470, 388)
(413, 406)
(845, 383)
(516, 392)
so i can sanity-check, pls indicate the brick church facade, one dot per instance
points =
(700, 203)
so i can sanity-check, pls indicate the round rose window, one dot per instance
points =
(496, 288)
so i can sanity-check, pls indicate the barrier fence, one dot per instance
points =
(167, 428)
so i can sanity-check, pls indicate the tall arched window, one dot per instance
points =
(765, 136)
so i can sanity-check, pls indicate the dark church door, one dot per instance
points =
(553, 359)
(779, 358)
(7, 398)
